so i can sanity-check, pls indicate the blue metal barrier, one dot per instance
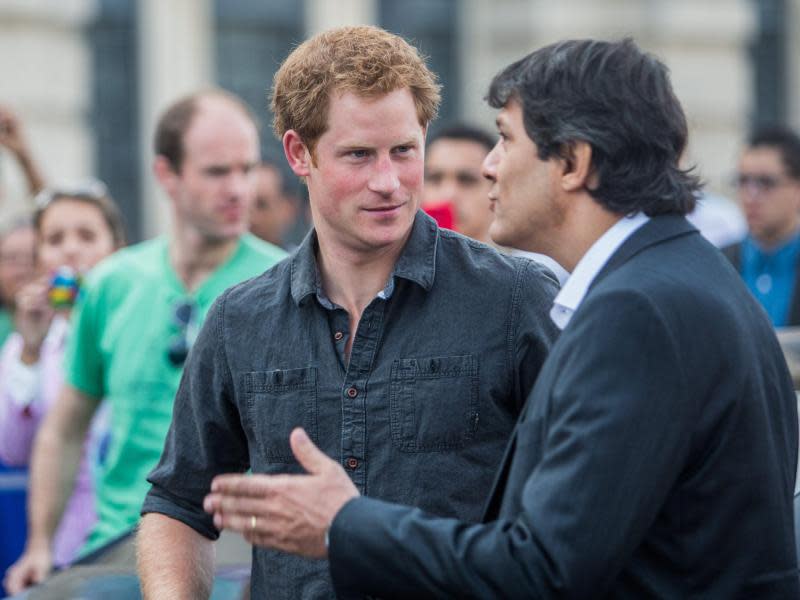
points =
(13, 521)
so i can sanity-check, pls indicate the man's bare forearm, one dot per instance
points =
(54, 463)
(174, 561)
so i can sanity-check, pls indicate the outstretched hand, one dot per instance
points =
(287, 512)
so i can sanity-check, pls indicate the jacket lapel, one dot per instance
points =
(655, 231)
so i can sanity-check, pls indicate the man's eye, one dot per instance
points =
(467, 179)
(433, 178)
(358, 153)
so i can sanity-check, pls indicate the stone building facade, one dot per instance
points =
(88, 77)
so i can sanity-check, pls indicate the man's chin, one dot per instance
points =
(501, 237)
(226, 234)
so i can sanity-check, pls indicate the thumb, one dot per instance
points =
(311, 458)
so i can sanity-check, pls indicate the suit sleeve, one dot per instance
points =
(205, 437)
(615, 434)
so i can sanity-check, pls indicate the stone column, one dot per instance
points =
(491, 35)
(793, 64)
(175, 58)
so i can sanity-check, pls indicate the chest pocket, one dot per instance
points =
(277, 402)
(433, 402)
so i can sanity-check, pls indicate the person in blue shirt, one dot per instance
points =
(768, 181)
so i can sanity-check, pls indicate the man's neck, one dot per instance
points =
(586, 224)
(194, 256)
(352, 279)
(772, 242)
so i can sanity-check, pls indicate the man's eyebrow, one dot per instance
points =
(353, 143)
(216, 168)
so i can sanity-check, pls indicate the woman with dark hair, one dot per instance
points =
(75, 228)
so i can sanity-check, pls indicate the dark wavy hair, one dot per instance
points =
(617, 99)
(782, 139)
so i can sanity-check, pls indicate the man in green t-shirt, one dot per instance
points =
(140, 311)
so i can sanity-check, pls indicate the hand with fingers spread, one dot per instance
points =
(287, 512)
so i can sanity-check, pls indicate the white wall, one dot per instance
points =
(45, 79)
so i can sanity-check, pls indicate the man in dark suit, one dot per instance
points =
(768, 259)
(656, 454)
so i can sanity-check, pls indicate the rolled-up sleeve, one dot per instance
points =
(205, 437)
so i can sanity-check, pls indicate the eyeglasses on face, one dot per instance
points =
(88, 188)
(183, 317)
(758, 182)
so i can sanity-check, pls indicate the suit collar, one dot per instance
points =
(657, 230)
(590, 264)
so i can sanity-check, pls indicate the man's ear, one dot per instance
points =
(297, 153)
(165, 174)
(577, 171)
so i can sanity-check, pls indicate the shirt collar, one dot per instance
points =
(571, 295)
(417, 261)
(783, 255)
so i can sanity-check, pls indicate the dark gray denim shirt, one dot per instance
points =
(440, 367)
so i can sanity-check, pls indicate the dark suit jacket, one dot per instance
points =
(734, 254)
(655, 457)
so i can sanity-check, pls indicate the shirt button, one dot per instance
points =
(352, 463)
(338, 336)
(352, 392)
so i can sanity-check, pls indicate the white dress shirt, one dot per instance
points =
(571, 295)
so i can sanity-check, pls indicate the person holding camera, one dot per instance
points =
(75, 228)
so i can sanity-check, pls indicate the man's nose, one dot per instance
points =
(750, 193)
(489, 166)
(239, 184)
(448, 189)
(72, 245)
(384, 179)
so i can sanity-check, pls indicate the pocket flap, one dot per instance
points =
(435, 366)
(280, 379)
